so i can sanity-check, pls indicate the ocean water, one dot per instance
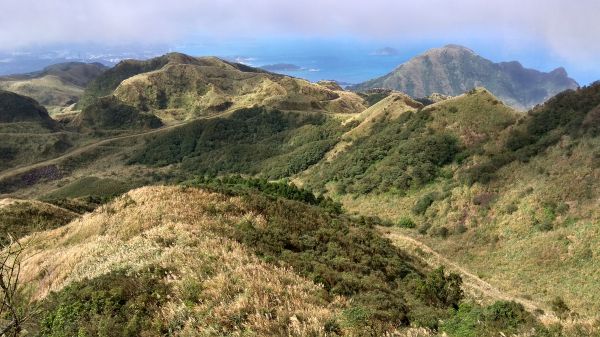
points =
(346, 61)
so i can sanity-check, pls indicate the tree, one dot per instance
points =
(13, 314)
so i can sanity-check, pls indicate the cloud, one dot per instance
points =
(569, 28)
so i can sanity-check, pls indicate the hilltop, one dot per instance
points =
(401, 145)
(57, 86)
(108, 113)
(15, 108)
(177, 86)
(453, 70)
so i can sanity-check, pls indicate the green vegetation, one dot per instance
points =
(407, 223)
(110, 79)
(441, 290)
(402, 156)
(374, 96)
(116, 304)
(103, 188)
(347, 259)
(574, 113)
(239, 185)
(499, 318)
(256, 141)
(15, 108)
(21, 218)
(110, 113)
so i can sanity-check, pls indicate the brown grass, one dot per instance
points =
(221, 288)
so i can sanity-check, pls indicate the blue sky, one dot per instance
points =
(330, 38)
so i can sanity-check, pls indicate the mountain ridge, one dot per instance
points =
(454, 69)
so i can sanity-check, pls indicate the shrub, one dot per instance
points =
(499, 319)
(406, 222)
(116, 304)
(441, 290)
(560, 307)
(424, 228)
(423, 204)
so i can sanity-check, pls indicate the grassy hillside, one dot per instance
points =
(110, 79)
(179, 87)
(190, 261)
(28, 133)
(20, 218)
(398, 148)
(57, 86)
(517, 205)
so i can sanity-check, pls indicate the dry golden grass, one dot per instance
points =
(206, 85)
(48, 90)
(221, 289)
(505, 248)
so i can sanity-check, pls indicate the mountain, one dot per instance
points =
(455, 216)
(453, 70)
(180, 87)
(56, 86)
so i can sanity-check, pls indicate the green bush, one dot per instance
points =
(441, 290)
(116, 304)
(423, 204)
(406, 222)
(500, 318)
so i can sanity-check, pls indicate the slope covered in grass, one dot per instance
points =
(402, 147)
(179, 87)
(518, 207)
(20, 218)
(186, 261)
(57, 86)
(109, 112)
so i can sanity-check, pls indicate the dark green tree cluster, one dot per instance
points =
(239, 185)
(256, 141)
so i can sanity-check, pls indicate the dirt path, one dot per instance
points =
(475, 287)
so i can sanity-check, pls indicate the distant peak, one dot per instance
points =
(450, 49)
(560, 71)
(458, 47)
